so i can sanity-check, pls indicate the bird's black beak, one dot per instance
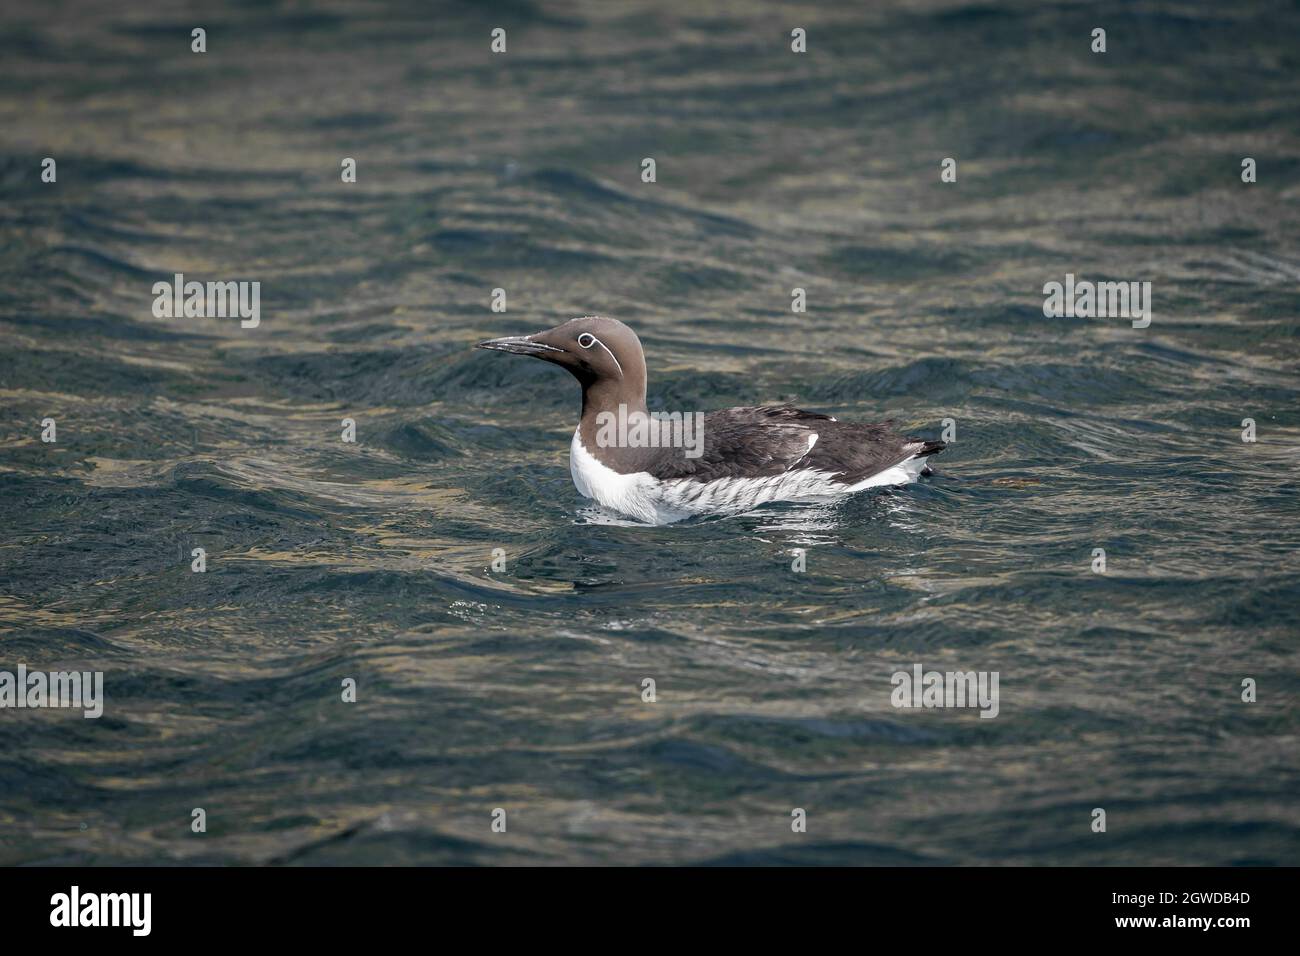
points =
(518, 344)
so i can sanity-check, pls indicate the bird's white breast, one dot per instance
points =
(628, 494)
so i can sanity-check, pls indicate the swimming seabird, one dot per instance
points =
(659, 471)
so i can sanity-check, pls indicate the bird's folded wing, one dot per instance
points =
(750, 442)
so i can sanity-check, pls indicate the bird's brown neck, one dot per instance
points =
(601, 401)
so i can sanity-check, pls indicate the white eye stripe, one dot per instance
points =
(596, 341)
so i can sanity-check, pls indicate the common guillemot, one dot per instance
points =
(747, 456)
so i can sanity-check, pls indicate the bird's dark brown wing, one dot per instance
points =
(766, 440)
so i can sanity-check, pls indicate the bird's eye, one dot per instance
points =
(586, 340)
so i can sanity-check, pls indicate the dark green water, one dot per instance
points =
(522, 689)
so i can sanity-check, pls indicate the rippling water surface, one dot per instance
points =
(522, 690)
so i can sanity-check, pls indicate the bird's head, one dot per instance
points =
(594, 349)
